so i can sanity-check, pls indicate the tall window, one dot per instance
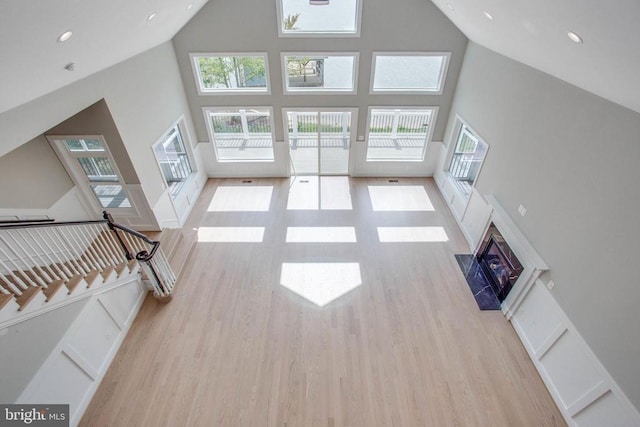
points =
(467, 158)
(241, 134)
(409, 72)
(238, 73)
(173, 160)
(399, 134)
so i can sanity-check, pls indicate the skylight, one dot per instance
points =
(304, 18)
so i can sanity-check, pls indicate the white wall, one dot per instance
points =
(144, 95)
(230, 26)
(25, 346)
(35, 166)
(571, 158)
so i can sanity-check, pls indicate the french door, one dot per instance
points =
(319, 141)
(92, 168)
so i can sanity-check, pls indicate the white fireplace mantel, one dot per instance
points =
(533, 264)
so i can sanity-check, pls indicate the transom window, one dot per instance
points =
(467, 158)
(317, 18)
(173, 160)
(409, 72)
(241, 134)
(237, 73)
(321, 73)
(399, 134)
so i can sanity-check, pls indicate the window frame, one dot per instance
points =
(182, 131)
(433, 117)
(80, 179)
(329, 91)
(193, 59)
(319, 34)
(410, 91)
(461, 127)
(210, 131)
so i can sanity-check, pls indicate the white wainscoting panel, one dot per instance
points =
(581, 387)
(73, 371)
(476, 218)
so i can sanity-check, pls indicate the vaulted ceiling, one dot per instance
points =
(606, 63)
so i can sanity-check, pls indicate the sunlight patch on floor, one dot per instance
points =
(321, 235)
(335, 193)
(231, 234)
(321, 282)
(314, 193)
(252, 198)
(399, 198)
(412, 234)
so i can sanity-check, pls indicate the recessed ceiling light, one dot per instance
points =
(151, 16)
(65, 36)
(489, 16)
(574, 37)
(189, 6)
(450, 6)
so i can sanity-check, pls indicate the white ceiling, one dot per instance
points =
(607, 63)
(107, 32)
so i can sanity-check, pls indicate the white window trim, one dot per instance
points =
(321, 91)
(186, 141)
(318, 34)
(207, 118)
(236, 91)
(412, 91)
(459, 123)
(88, 197)
(434, 117)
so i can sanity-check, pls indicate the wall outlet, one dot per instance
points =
(551, 284)
(360, 138)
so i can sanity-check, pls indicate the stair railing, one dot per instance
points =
(152, 260)
(44, 257)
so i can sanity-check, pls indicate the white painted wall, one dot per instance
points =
(229, 26)
(35, 339)
(571, 158)
(144, 96)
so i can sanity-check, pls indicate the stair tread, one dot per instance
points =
(4, 299)
(73, 282)
(52, 288)
(27, 295)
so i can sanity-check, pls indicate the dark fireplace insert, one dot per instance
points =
(498, 262)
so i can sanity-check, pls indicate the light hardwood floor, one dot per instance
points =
(408, 347)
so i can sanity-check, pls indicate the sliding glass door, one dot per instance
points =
(319, 141)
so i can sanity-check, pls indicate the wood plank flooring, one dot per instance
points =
(408, 347)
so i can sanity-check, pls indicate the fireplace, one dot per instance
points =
(498, 262)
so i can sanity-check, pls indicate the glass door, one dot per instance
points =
(90, 164)
(319, 142)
